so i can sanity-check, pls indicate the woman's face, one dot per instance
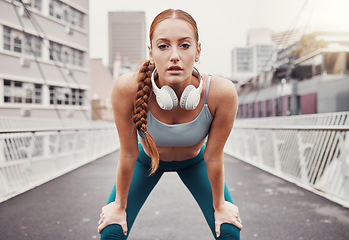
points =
(173, 50)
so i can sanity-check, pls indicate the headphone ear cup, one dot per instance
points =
(190, 98)
(167, 98)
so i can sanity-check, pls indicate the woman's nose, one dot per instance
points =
(174, 56)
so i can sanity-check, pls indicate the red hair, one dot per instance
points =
(175, 14)
(145, 87)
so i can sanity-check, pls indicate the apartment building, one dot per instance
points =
(127, 39)
(44, 59)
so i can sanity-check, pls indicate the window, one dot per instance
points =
(51, 51)
(59, 95)
(58, 9)
(81, 97)
(269, 111)
(17, 45)
(7, 38)
(73, 56)
(19, 42)
(55, 51)
(18, 92)
(52, 95)
(80, 19)
(34, 4)
(73, 17)
(251, 110)
(37, 4)
(81, 58)
(38, 93)
(22, 92)
(74, 97)
(66, 55)
(29, 94)
(7, 91)
(37, 46)
(28, 44)
(278, 106)
(51, 8)
(68, 14)
(66, 96)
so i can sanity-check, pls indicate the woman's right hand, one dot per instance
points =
(112, 214)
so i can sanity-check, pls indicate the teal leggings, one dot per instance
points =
(192, 172)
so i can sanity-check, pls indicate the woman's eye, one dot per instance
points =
(185, 45)
(162, 46)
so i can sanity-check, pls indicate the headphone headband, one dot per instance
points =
(167, 98)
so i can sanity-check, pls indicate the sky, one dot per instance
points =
(223, 24)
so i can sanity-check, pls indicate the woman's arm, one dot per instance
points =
(223, 100)
(123, 96)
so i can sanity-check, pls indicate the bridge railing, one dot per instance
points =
(34, 151)
(310, 150)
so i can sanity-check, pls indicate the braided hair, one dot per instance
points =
(145, 86)
(140, 111)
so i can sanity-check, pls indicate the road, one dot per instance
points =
(68, 207)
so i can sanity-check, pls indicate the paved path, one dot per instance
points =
(272, 209)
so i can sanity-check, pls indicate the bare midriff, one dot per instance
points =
(168, 154)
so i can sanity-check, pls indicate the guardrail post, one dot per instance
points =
(259, 140)
(56, 146)
(27, 165)
(302, 148)
(277, 158)
(74, 146)
(4, 189)
(345, 164)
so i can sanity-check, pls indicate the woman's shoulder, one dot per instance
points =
(126, 84)
(222, 89)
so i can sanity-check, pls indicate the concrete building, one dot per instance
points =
(258, 56)
(44, 59)
(310, 75)
(318, 83)
(127, 38)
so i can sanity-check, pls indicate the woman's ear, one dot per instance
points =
(198, 52)
(150, 55)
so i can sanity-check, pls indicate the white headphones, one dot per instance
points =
(168, 100)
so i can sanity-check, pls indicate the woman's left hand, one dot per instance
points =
(227, 213)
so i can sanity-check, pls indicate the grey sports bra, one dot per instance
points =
(183, 134)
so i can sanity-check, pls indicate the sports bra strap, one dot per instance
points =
(207, 87)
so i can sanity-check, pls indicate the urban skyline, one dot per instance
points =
(224, 27)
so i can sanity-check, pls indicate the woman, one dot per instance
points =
(147, 101)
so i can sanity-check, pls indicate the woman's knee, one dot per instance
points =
(112, 232)
(229, 232)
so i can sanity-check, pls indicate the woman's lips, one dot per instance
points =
(175, 70)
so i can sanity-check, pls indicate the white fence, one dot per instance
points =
(34, 151)
(309, 150)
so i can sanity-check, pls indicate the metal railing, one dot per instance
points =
(309, 150)
(34, 151)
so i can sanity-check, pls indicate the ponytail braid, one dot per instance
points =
(140, 111)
